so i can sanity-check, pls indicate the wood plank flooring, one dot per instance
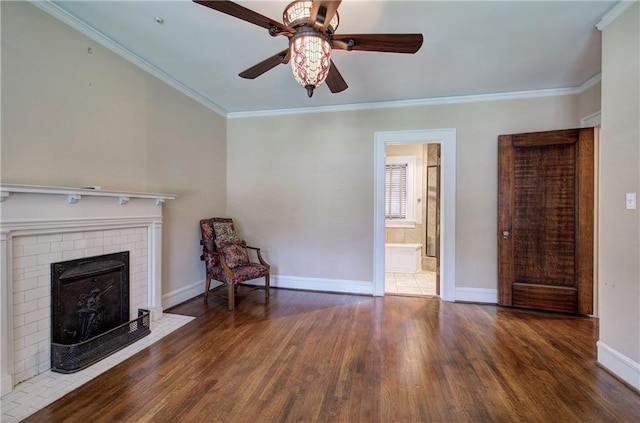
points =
(316, 357)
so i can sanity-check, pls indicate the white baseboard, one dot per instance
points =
(322, 284)
(185, 293)
(474, 295)
(619, 364)
(477, 295)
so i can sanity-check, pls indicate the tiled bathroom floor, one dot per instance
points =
(33, 394)
(421, 283)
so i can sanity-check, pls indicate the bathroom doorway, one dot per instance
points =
(412, 219)
(446, 138)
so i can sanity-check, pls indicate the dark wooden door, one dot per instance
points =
(545, 220)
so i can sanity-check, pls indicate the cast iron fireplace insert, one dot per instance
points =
(90, 311)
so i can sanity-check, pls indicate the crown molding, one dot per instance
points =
(613, 14)
(513, 95)
(589, 83)
(97, 36)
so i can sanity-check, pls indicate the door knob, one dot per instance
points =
(505, 234)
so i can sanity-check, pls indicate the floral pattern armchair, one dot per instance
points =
(227, 260)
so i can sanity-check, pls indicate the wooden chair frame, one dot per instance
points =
(230, 276)
(232, 289)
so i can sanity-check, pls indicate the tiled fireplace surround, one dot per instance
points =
(44, 225)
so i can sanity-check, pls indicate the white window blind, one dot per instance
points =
(395, 191)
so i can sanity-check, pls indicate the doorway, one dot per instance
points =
(412, 197)
(446, 138)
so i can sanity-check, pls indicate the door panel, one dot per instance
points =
(545, 220)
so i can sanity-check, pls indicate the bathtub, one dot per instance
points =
(402, 258)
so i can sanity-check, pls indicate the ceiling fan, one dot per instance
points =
(310, 27)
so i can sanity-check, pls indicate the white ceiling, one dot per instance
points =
(470, 48)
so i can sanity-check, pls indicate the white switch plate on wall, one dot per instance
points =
(631, 201)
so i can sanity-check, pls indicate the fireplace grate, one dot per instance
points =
(74, 357)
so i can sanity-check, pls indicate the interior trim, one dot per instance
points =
(613, 14)
(447, 140)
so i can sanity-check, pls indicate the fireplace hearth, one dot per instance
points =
(90, 311)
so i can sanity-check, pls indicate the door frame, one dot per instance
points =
(447, 140)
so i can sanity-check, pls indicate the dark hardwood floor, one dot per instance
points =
(315, 357)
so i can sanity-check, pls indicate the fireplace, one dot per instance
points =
(43, 225)
(90, 311)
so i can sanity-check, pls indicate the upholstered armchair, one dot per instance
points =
(227, 260)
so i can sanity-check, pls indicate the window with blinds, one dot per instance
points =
(395, 186)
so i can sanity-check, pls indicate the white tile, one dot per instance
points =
(93, 234)
(36, 249)
(26, 307)
(391, 288)
(406, 282)
(72, 236)
(421, 283)
(49, 258)
(18, 297)
(79, 244)
(409, 290)
(34, 294)
(72, 255)
(42, 239)
(24, 240)
(94, 251)
(25, 261)
(18, 251)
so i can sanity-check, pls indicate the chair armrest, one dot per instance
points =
(260, 259)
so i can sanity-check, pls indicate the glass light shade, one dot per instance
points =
(298, 12)
(310, 59)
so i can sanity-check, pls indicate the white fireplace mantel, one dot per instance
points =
(73, 195)
(45, 212)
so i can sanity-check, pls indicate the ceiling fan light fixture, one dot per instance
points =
(297, 14)
(310, 27)
(310, 58)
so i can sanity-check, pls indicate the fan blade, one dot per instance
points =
(389, 43)
(322, 11)
(268, 64)
(248, 15)
(334, 80)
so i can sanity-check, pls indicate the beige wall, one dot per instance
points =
(70, 118)
(308, 196)
(619, 288)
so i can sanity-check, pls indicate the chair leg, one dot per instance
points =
(266, 288)
(207, 285)
(232, 297)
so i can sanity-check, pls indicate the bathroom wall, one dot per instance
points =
(414, 235)
(429, 207)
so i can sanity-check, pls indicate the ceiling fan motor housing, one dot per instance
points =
(298, 13)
